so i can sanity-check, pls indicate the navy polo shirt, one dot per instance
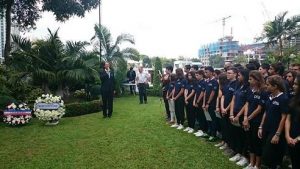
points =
(255, 99)
(211, 85)
(189, 87)
(290, 93)
(274, 108)
(241, 95)
(179, 84)
(199, 87)
(228, 91)
(171, 87)
(295, 123)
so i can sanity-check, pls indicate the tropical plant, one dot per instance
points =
(25, 13)
(216, 61)
(279, 31)
(53, 65)
(112, 52)
(156, 76)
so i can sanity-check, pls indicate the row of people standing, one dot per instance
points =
(248, 107)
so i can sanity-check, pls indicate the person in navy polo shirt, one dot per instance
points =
(178, 97)
(292, 126)
(272, 124)
(211, 94)
(169, 96)
(236, 111)
(227, 93)
(252, 117)
(198, 102)
(188, 99)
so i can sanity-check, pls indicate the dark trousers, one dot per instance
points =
(142, 92)
(179, 110)
(166, 104)
(224, 122)
(255, 143)
(295, 156)
(273, 153)
(190, 113)
(239, 138)
(107, 103)
(213, 123)
(200, 117)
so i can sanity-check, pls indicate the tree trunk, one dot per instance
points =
(280, 48)
(60, 91)
(7, 48)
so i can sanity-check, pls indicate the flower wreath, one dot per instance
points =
(17, 114)
(49, 108)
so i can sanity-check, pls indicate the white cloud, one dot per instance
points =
(172, 27)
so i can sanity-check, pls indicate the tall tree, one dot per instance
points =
(279, 30)
(25, 13)
(156, 75)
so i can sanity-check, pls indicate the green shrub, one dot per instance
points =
(77, 109)
(80, 94)
(5, 101)
(33, 95)
(95, 91)
(154, 92)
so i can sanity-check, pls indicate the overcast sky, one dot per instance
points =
(172, 28)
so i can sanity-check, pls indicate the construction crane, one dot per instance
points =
(223, 24)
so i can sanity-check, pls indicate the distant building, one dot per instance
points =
(254, 51)
(2, 38)
(226, 47)
(14, 31)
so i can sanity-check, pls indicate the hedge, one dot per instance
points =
(78, 109)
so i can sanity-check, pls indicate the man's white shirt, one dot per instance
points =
(142, 77)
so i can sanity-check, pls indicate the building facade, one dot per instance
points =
(226, 47)
(2, 38)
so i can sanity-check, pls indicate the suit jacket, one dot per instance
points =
(107, 81)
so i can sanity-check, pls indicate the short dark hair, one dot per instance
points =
(265, 66)
(278, 68)
(209, 68)
(187, 67)
(196, 67)
(200, 72)
(234, 69)
(251, 66)
(255, 62)
(169, 67)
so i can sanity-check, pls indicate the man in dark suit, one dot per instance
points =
(131, 79)
(107, 89)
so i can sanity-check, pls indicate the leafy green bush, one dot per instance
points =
(154, 92)
(80, 94)
(95, 91)
(77, 109)
(33, 95)
(5, 101)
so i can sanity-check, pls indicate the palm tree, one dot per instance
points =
(281, 29)
(112, 52)
(51, 63)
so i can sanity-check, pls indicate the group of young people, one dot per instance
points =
(254, 110)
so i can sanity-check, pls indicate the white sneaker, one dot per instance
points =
(242, 162)
(187, 129)
(249, 167)
(191, 131)
(180, 127)
(198, 132)
(235, 158)
(219, 144)
(224, 146)
(175, 125)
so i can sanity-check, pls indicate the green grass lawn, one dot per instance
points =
(135, 137)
